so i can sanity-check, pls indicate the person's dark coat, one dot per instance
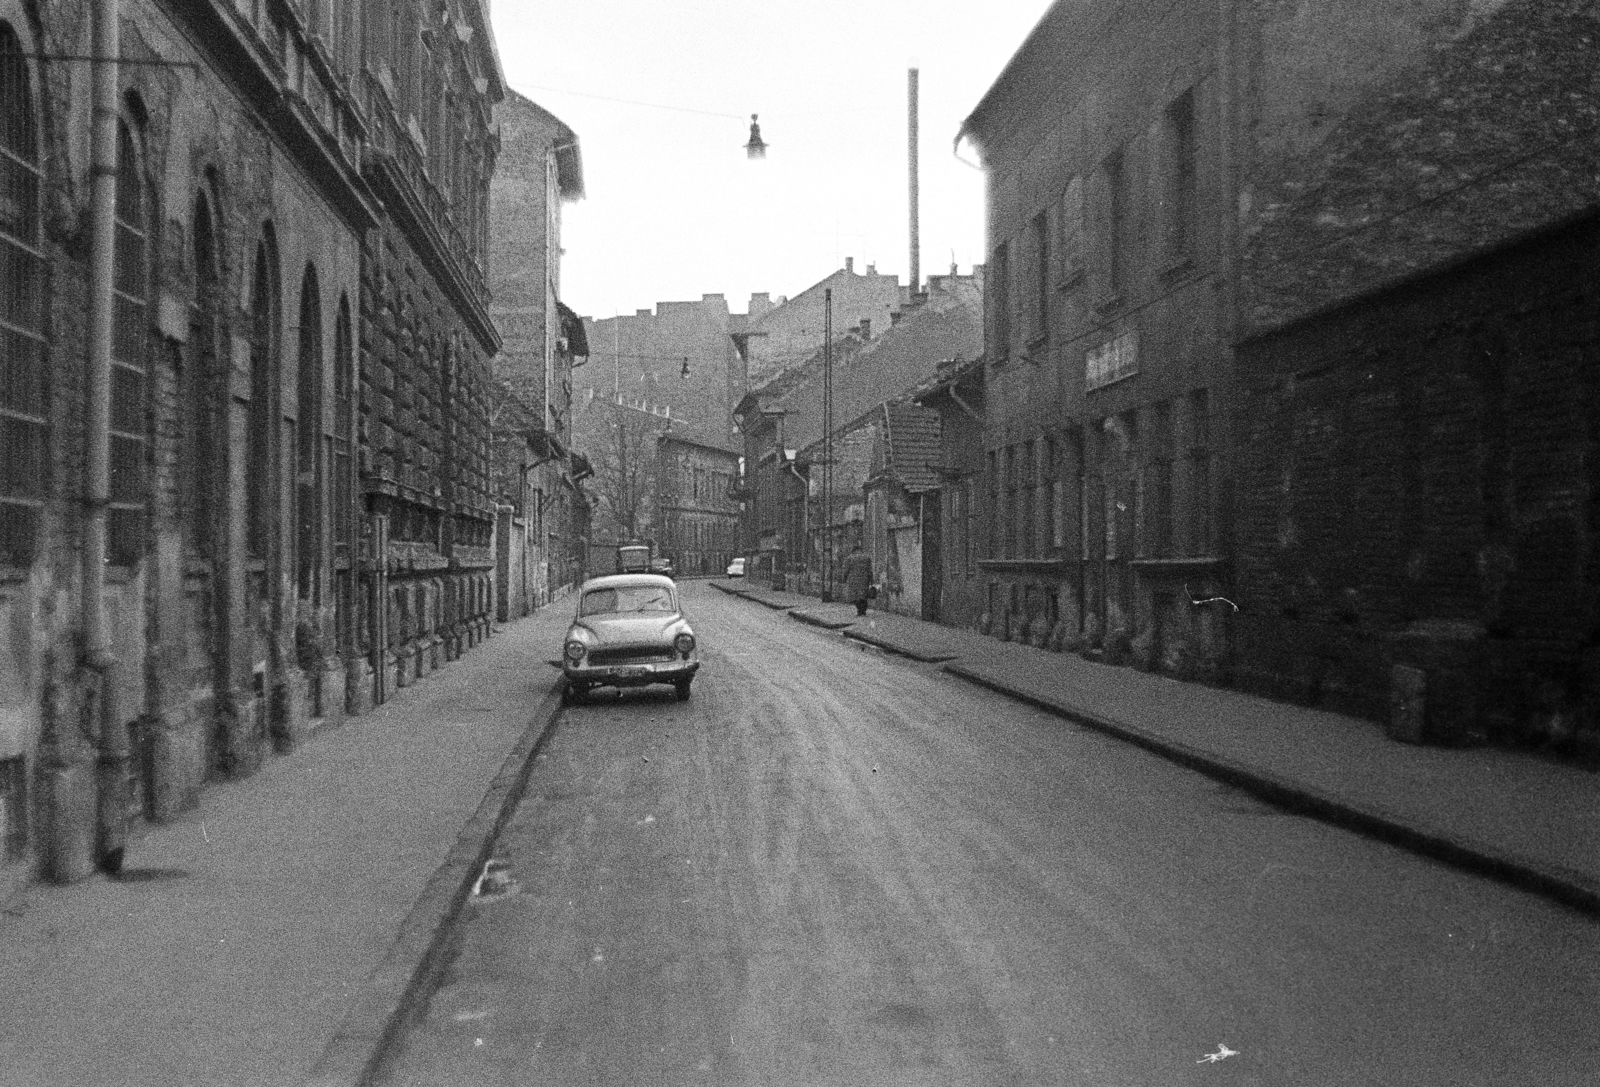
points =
(857, 575)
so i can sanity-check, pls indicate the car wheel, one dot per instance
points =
(682, 687)
(572, 694)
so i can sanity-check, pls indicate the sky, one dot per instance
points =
(674, 210)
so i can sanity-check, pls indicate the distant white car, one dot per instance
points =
(629, 632)
(736, 568)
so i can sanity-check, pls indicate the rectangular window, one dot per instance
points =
(1042, 274)
(129, 483)
(24, 398)
(1057, 495)
(1028, 490)
(999, 280)
(1201, 530)
(1070, 220)
(1158, 536)
(995, 539)
(1117, 217)
(1012, 515)
(1182, 178)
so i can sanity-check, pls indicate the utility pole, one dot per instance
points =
(827, 444)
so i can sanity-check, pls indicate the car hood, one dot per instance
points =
(626, 629)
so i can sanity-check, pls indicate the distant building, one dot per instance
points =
(772, 337)
(676, 359)
(697, 513)
(538, 546)
(799, 523)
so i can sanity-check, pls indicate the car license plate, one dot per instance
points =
(629, 673)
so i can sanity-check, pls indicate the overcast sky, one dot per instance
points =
(674, 209)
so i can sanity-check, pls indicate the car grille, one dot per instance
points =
(639, 654)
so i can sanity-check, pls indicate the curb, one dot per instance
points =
(396, 991)
(894, 647)
(1558, 884)
(809, 619)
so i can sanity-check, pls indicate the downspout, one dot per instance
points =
(805, 507)
(97, 659)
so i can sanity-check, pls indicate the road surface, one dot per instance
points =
(837, 867)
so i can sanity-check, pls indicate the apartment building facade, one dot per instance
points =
(243, 411)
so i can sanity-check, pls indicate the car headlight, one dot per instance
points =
(684, 643)
(576, 651)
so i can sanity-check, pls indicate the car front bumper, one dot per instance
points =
(630, 675)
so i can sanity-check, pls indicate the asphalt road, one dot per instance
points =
(834, 867)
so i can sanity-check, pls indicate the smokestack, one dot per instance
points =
(911, 140)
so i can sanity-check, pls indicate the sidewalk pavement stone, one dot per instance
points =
(1515, 816)
(284, 929)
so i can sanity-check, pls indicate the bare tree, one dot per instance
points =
(625, 470)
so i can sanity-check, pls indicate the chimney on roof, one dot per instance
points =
(866, 328)
(850, 265)
(642, 313)
(760, 303)
(872, 269)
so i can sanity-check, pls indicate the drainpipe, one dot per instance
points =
(97, 659)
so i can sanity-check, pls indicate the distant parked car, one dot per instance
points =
(663, 566)
(736, 568)
(629, 632)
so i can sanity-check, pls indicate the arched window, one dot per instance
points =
(343, 425)
(342, 467)
(263, 374)
(130, 339)
(200, 454)
(24, 385)
(308, 443)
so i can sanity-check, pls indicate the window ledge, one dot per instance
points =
(1069, 281)
(1108, 304)
(1177, 565)
(1025, 566)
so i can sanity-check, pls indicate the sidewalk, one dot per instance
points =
(1516, 817)
(275, 934)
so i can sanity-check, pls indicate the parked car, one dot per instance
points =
(629, 632)
(736, 567)
(663, 566)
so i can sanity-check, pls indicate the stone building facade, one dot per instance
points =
(293, 507)
(1418, 539)
(1132, 154)
(697, 516)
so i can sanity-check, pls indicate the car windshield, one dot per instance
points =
(627, 598)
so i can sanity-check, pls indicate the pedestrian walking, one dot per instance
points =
(858, 578)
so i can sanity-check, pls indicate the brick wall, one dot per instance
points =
(1417, 486)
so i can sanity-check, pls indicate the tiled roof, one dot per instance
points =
(913, 444)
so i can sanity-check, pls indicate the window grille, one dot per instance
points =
(129, 447)
(343, 416)
(24, 382)
(263, 300)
